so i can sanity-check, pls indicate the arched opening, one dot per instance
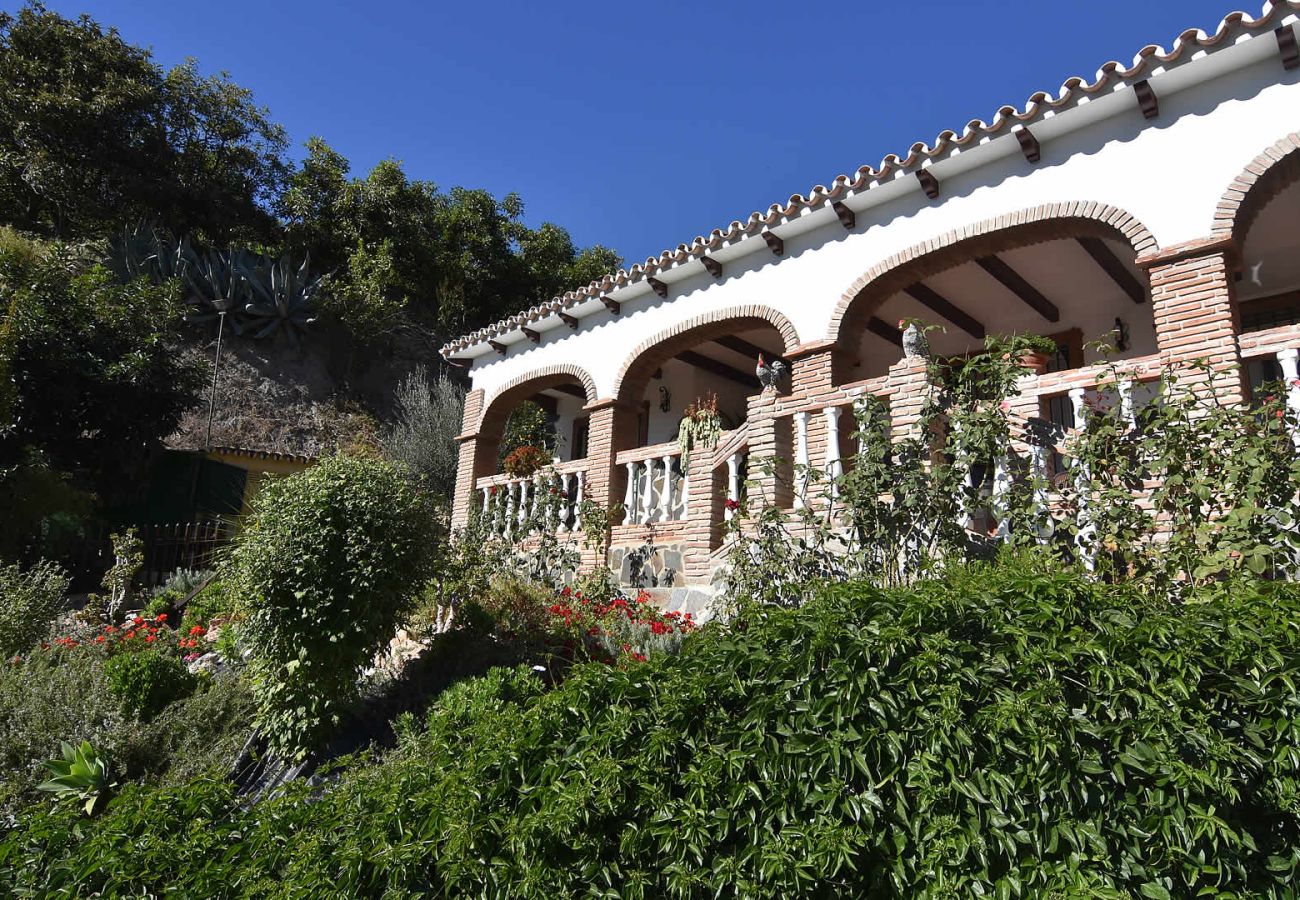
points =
(1071, 279)
(711, 364)
(1266, 225)
(544, 410)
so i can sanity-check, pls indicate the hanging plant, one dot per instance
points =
(701, 425)
(524, 461)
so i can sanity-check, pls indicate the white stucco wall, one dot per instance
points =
(1169, 173)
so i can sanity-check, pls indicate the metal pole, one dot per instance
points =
(216, 366)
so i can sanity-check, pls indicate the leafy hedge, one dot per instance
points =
(1015, 732)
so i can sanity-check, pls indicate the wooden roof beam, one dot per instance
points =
(498, 347)
(1148, 102)
(531, 335)
(742, 346)
(1101, 254)
(714, 267)
(569, 320)
(611, 304)
(721, 369)
(1010, 279)
(572, 390)
(1029, 144)
(774, 243)
(937, 303)
(1286, 47)
(847, 217)
(929, 183)
(881, 328)
(657, 286)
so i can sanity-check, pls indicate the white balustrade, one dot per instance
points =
(1287, 359)
(834, 466)
(733, 484)
(630, 499)
(546, 499)
(648, 497)
(666, 492)
(801, 459)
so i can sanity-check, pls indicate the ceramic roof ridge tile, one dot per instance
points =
(976, 129)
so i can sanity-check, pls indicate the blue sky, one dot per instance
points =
(640, 126)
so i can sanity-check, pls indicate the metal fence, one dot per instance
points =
(182, 545)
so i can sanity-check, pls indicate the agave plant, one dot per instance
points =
(283, 297)
(216, 283)
(149, 251)
(82, 773)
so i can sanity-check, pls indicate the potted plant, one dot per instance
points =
(701, 425)
(524, 461)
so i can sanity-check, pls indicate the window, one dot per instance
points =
(581, 434)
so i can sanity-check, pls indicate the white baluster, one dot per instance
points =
(834, 466)
(685, 498)
(487, 493)
(1038, 456)
(801, 459)
(630, 498)
(1082, 480)
(566, 503)
(666, 493)
(1127, 411)
(523, 502)
(508, 523)
(577, 501)
(1287, 359)
(733, 484)
(1001, 488)
(647, 499)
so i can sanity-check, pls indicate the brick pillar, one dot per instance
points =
(909, 384)
(1193, 300)
(466, 468)
(604, 485)
(769, 440)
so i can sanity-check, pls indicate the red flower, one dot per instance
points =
(198, 629)
(149, 638)
(732, 505)
(162, 617)
(99, 640)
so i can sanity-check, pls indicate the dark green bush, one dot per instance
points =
(146, 681)
(324, 568)
(1014, 732)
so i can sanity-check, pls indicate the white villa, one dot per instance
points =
(1159, 201)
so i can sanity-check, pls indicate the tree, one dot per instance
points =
(95, 379)
(426, 420)
(94, 134)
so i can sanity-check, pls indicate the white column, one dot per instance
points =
(577, 501)
(1127, 411)
(733, 483)
(523, 501)
(1082, 482)
(834, 467)
(1038, 456)
(1287, 359)
(509, 522)
(566, 502)
(487, 493)
(1001, 488)
(536, 485)
(630, 498)
(801, 459)
(1076, 402)
(685, 497)
(666, 495)
(648, 497)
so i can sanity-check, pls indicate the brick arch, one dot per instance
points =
(530, 383)
(656, 350)
(1267, 175)
(1035, 225)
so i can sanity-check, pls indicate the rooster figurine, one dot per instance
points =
(770, 375)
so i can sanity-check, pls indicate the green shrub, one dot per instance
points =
(213, 602)
(146, 681)
(65, 695)
(1009, 732)
(29, 601)
(325, 566)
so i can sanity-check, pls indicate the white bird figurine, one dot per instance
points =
(770, 375)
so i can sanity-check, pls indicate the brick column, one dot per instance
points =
(1193, 300)
(606, 431)
(466, 468)
(909, 384)
(769, 440)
